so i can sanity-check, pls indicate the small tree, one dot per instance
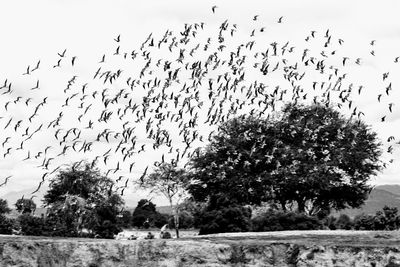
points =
(25, 206)
(170, 181)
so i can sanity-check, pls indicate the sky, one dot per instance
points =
(40, 30)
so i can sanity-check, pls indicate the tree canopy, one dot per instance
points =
(25, 206)
(81, 197)
(308, 157)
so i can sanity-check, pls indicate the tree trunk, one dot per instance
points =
(176, 221)
(176, 218)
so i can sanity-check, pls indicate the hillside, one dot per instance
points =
(380, 196)
(392, 188)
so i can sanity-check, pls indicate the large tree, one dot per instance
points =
(80, 197)
(308, 157)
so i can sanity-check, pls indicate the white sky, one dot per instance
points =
(38, 30)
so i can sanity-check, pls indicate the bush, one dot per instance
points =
(159, 219)
(344, 222)
(106, 229)
(235, 218)
(274, 220)
(31, 225)
(125, 219)
(387, 219)
(6, 225)
(330, 222)
(364, 222)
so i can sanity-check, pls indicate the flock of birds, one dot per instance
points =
(188, 83)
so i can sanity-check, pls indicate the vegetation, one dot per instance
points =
(25, 206)
(4, 207)
(145, 215)
(6, 224)
(222, 215)
(80, 197)
(303, 162)
(278, 220)
(307, 158)
(171, 182)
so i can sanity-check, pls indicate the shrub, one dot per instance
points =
(386, 219)
(159, 219)
(6, 225)
(106, 229)
(274, 220)
(125, 219)
(30, 225)
(330, 222)
(234, 218)
(344, 222)
(364, 222)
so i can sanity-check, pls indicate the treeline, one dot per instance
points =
(304, 162)
(241, 219)
(144, 216)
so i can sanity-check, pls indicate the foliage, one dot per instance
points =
(144, 211)
(160, 220)
(4, 207)
(386, 219)
(31, 225)
(364, 222)
(222, 216)
(186, 220)
(307, 157)
(194, 209)
(6, 225)
(125, 219)
(24, 205)
(80, 197)
(276, 220)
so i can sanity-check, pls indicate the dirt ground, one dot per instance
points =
(325, 237)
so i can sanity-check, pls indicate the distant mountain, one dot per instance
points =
(378, 198)
(13, 196)
(131, 200)
(392, 188)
